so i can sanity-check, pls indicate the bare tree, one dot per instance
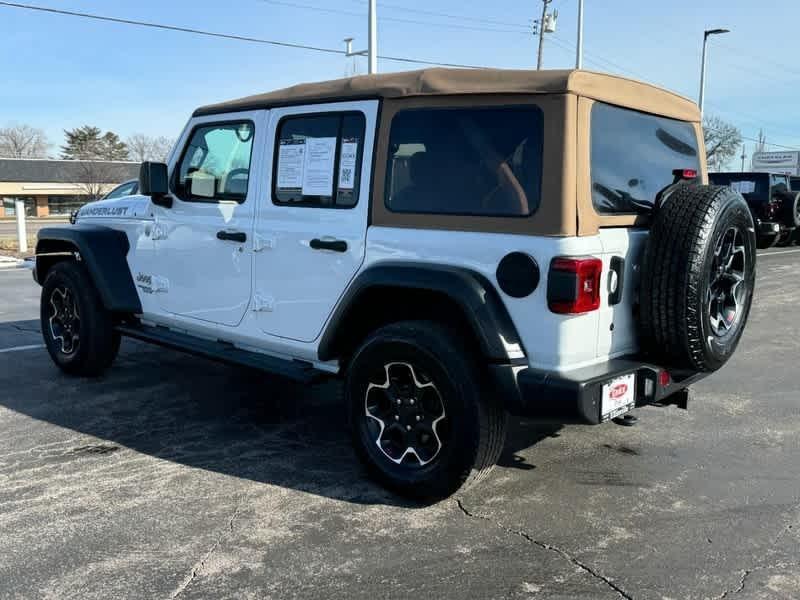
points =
(94, 178)
(722, 140)
(23, 141)
(143, 147)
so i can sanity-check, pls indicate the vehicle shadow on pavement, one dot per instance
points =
(209, 416)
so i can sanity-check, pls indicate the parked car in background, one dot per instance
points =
(129, 188)
(775, 207)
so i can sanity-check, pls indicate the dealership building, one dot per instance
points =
(57, 187)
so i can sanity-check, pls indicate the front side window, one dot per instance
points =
(215, 165)
(318, 160)
(476, 161)
(634, 155)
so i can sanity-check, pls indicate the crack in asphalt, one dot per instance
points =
(25, 329)
(198, 566)
(742, 581)
(745, 573)
(549, 547)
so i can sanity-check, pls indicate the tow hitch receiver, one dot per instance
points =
(679, 399)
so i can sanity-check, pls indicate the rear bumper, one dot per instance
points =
(575, 396)
(768, 227)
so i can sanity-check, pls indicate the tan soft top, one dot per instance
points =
(441, 82)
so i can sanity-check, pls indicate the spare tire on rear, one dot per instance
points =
(790, 209)
(698, 276)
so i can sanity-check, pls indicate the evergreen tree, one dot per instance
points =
(89, 143)
(113, 147)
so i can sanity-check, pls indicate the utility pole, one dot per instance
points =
(542, 26)
(744, 155)
(373, 37)
(579, 45)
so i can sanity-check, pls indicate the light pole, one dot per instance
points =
(579, 45)
(706, 33)
(373, 37)
(372, 49)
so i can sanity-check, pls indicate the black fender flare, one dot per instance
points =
(103, 250)
(475, 295)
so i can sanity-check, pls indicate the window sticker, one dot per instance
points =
(291, 164)
(347, 164)
(318, 167)
(743, 187)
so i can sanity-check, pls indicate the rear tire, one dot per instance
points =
(698, 276)
(785, 239)
(420, 418)
(764, 241)
(77, 329)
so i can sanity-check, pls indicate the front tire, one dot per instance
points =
(420, 420)
(77, 329)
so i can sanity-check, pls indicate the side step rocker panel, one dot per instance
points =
(224, 352)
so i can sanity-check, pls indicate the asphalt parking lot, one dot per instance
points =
(174, 477)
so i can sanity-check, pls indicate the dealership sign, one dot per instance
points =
(777, 162)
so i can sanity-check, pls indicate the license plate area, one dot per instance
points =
(617, 396)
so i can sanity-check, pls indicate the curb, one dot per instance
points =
(9, 262)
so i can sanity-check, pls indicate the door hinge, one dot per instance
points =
(263, 303)
(263, 243)
(159, 232)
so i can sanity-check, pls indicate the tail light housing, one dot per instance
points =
(573, 285)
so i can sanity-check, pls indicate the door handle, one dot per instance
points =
(232, 236)
(335, 245)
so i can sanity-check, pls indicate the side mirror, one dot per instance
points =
(154, 182)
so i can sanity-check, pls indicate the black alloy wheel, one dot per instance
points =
(726, 290)
(64, 321)
(405, 415)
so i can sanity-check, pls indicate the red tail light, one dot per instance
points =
(573, 285)
(687, 174)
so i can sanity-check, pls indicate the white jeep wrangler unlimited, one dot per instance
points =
(455, 244)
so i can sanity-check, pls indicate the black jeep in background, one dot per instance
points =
(775, 207)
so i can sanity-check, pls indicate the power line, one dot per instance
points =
(598, 61)
(448, 15)
(228, 36)
(152, 25)
(392, 19)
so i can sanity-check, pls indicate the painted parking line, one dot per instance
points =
(779, 252)
(21, 348)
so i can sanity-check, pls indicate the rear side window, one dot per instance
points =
(634, 155)
(748, 184)
(318, 160)
(485, 161)
(215, 165)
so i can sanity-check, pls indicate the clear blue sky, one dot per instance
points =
(60, 72)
